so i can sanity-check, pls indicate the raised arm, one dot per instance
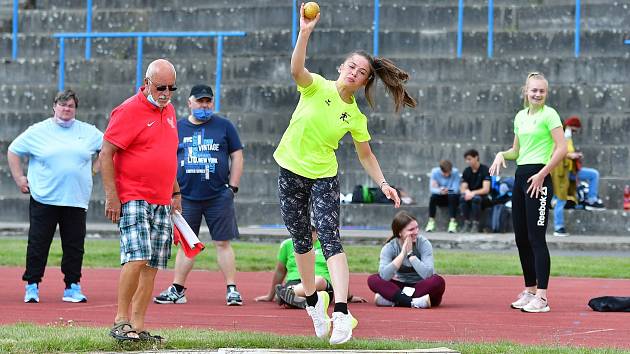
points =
(301, 76)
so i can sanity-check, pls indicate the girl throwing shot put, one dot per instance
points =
(327, 110)
(539, 145)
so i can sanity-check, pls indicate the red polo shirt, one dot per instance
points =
(146, 163)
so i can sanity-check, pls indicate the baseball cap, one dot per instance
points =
(573, 121)
(201, 91)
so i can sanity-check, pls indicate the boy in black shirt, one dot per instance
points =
(474, 189)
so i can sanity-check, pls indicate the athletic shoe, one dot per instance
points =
(233, 297)
(467, 227)
(430, 225)
(382, 302)
(423, 302)
(342, 327)
(32, 293)
(288, 296)
(561, 232)
(474, 227)
(452, 226)
(278, 299)
(538, 304)
(74, 294)
(596, 205)
(523, 299)
(319, 314)
(171, 296)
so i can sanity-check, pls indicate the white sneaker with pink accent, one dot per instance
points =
(524, 298)
(538, 304)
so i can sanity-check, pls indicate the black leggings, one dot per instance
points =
(530, 217)
(296, 192)
(44, 219)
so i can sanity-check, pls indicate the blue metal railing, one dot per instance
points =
(377, 15)
(88, 29)
(139, 51)
(294, 22)
(460, 26)
(14, 44)
(577, 28)
(490, 28)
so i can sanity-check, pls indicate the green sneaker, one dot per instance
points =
(452, 226)
(430, 225)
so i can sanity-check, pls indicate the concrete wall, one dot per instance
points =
(463, 103)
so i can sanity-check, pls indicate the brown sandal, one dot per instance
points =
(121, 332)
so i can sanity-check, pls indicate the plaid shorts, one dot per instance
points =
(145, 233)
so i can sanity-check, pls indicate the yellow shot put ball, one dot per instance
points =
(311, 9)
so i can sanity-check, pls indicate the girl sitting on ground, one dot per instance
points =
(406, 275)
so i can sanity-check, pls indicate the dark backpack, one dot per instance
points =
(361, 194)
(501, 189)
(499, 218)
(610, 304)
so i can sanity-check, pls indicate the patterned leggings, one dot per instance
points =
(296, 193)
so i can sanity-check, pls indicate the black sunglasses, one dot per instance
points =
(164, 87)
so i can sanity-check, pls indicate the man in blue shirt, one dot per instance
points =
(444, 187)
(59, 180)
(210, 165)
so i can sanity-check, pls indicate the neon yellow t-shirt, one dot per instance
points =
(534, 135)
(319, 121)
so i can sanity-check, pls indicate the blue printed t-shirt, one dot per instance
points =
(203, 167)
(60, 161)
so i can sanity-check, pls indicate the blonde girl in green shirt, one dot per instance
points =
(327, 110)
(539, 145)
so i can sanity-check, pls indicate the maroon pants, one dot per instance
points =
(434, 286)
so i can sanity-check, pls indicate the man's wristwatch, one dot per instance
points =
(233, 188)
(409, 254)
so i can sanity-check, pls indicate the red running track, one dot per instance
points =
(474, 309)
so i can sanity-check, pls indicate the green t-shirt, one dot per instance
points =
(319, 121)
(286, 256)
(534, 135)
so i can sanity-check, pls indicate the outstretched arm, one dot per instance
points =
(278, 277)
(301, 76)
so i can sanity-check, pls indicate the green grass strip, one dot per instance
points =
(104, 253)
(65, 337)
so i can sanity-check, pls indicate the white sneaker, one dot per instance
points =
(319, 314)
(538, 304)
(342, 327)
(523, 299)
(381, 301)
(423, 302)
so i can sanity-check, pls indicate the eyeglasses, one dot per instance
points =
(163, 87)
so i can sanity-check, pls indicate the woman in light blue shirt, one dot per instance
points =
(59, 179)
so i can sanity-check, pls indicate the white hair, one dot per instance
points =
(153, 67)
